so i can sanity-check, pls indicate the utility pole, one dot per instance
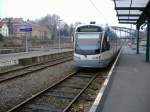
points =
(148, 41)
(137, 50)
(59, 35)
(26, 37)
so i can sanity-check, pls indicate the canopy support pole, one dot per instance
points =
(137, 50)
(148, 39)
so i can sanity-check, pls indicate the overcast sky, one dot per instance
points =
(70, 11)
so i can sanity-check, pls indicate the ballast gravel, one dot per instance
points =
(17, 90)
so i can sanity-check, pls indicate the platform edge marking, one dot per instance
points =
(101, 92)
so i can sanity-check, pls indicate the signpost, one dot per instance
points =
(26, 30)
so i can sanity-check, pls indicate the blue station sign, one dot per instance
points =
(25, 30)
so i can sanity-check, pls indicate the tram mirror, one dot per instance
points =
(107, 38)
(72, 38)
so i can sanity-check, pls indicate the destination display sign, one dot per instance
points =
(89, 29)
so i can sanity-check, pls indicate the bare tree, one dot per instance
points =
(51, 22)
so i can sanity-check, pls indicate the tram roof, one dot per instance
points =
(132, 11)
(103, 26)
(99, 25)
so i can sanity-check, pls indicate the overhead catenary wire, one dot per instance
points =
(99, 12)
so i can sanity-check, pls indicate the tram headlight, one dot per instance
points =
(77, 57)
(96, 57)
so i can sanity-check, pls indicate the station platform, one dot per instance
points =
(129, 90)
(13, 58)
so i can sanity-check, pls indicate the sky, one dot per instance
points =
(70, 11)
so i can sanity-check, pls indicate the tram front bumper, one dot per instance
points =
(91, 63)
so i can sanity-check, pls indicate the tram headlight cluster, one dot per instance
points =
(97, 57)
(77, 57)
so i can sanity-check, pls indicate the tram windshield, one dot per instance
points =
(88, 43)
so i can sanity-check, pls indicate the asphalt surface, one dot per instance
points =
(130, 90)
(16, 56)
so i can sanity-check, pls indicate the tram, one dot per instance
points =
(95, 46)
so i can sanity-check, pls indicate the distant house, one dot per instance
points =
(17, 24)
(4, 30)
(14, 25)
(39, 31)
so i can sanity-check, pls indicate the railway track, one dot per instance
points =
(60, 96)
(22, 71)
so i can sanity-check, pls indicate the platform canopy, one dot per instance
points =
(132, 11)
(135, 12)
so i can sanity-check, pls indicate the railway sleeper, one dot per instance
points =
(84, 76)
(80, 82)
(73, 86)
(60, 96)
(61, 91)
(85, 98)
(43, 108)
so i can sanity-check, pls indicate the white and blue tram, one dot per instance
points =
(95, 45)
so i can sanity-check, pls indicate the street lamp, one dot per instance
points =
(59, 20)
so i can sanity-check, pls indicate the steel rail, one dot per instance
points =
(102, 91)
(39, 93)
(79, 94)
(36, 64)
(54, 85)
(33, 71)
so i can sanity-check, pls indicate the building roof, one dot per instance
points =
(12, 20)
(131, 11)
(1, 24)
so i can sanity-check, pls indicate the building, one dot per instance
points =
(4, 30)
(39, 31)
(14, 25)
